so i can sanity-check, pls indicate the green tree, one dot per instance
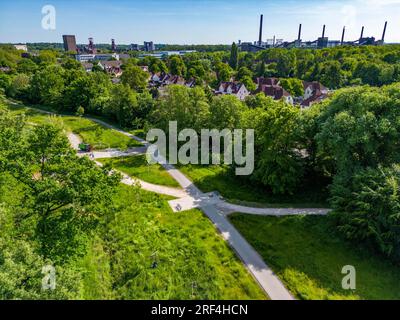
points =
(286, 64)
(293, 86)
(135, 77)
(369, 209)
(278, 163)
(224, 72)
(177, 66)
(234, 58)
(47, 86)
(123, 105)
(189, 107)
(226, 112)
(332, 75)
(19, 87)
(26, 66)
(66, 193)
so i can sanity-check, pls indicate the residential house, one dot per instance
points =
(314, 92)
(233, 88)
(87, 66)
(313, 89)
(271, 87)
(111, 67)
(162, 79)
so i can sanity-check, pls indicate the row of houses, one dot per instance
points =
(313, 91)
(162, 79)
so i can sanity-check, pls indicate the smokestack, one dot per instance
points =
(362, 32)
(384, 33)
(344, 31)
(261, 30)
(273, 43)
(299, 37)
(323, 32)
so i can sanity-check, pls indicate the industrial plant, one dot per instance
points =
(320, 43)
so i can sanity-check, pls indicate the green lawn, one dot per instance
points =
(236, 189)
(308, 256)
(97, 135)
(193, 261)
(137, 166)
(90, 132)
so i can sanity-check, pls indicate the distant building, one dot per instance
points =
(91, 48)
(69, 43)
(113, 46)
(164, 54)
(233, 88)
(123, 56)
(22, 47)
(149, 46)
(98, 57)
(135, 47)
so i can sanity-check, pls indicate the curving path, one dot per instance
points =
(215, 208)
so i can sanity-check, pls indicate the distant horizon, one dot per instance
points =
(197, 22)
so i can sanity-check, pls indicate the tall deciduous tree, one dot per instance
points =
(135, 77)
(234, 58)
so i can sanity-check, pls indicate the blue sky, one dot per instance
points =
(196, 21)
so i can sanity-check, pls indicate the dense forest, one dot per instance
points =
(347, 144)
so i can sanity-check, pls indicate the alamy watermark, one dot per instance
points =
(49, 278)
(49, 17)
(349, 280)
(206, 151)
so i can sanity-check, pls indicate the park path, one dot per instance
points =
(217, 211)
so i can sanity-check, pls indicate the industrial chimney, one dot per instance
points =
(299, 37)
(261, 30)
(323, 32)
(362, 32)
(384, 33)
(344, 31)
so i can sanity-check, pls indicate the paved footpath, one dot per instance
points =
(217, 210)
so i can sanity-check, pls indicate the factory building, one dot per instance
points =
(69, 43)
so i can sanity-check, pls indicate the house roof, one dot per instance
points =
(268, 81)
(87, 65)
(315, 85)
(313, 99)
(274, 91)
(111, 64)
(235, 86)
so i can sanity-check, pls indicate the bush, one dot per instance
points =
(370, 208)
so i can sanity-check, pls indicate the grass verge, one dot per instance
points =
(192, 260)
(137, 166)
(90, 132)
(308, 256)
